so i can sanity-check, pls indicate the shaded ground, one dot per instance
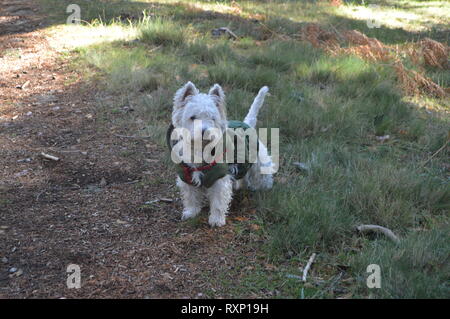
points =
(88, 208)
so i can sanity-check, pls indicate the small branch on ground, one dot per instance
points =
(308, 265)
(381, 229)
(39, 195)
(23, 86)
(154, 49)
(49, 157)
(219, 31)
(436, 153)
(162, 199)
(166, 200)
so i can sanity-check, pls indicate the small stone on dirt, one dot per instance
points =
(17, 273)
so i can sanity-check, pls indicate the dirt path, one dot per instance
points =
(88, 208)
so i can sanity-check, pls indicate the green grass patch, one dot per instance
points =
(229, 73)
(126, 69)
(417, 268)
(159, 31)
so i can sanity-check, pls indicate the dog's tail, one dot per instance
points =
(252, 115)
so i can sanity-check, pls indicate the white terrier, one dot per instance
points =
(214, 181)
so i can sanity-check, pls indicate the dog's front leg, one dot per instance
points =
(192, 199)
(219, 196)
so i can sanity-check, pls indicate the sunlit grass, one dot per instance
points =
(160, 31)
(68, 37)
(408, 15)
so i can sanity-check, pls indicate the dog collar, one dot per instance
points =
(188, 170)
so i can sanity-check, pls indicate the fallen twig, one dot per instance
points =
(217, 32)
(23, 86)
(381, 229)
(166, 200)
(155, 48)
(39, 195)
(49, 157)
(435, 153)
(308, 265)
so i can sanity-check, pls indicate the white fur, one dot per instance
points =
(252, 115)
(210, 108)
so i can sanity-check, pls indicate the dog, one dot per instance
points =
(213, 181)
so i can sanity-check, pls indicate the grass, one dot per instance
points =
(329, 110)
(160, 31)
(417, 268)
(128, 69)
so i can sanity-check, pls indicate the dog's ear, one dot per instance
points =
(218, 95)
(217, 92)
(183, 93)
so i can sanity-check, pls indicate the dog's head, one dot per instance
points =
(193, 110)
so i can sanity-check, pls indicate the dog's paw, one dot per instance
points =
(188, 214)
(216, 221)
(196, 179)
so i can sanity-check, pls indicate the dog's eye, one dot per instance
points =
(193, 118)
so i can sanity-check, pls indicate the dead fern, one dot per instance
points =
(426, 52)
